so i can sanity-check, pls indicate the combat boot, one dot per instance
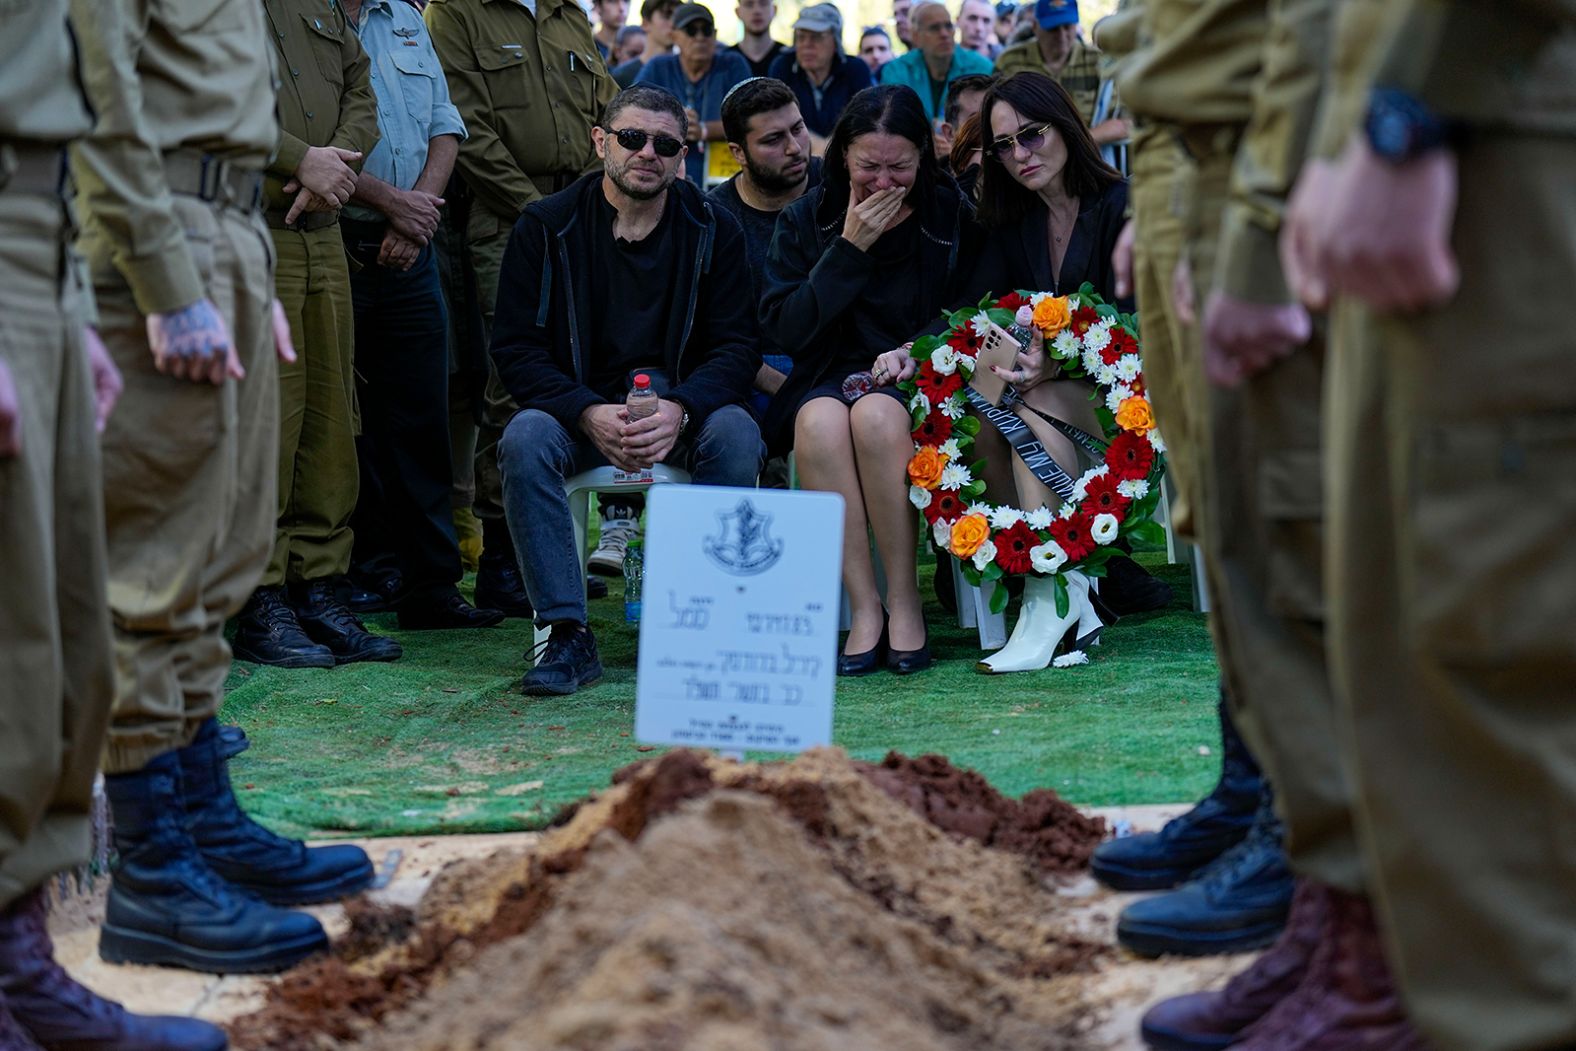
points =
(328, 621)
(62, 1015)
(245, 854)
(1179, 851)
(166, 906)
(1348, 1001)
(1209, 1021)
(1236, 905)
(266, 632)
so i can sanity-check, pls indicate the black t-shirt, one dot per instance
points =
(893, 301)
(758, 69)
(758, 225)
(629, 323)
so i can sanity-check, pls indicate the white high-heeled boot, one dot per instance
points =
(1039, 630)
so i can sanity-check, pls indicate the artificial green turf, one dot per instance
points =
(443, 740)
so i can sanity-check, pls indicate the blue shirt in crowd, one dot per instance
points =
(412, 94)
(704, 96)
(821, 106)
(911, 70)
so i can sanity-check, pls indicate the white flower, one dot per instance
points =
(984, 555)
(1092, 361)
(1099, 336)
(1156, 443)
(1067, 511)
(952, 408)
(1039, 518)
(1081, 489)
(1105, 528)
(1105, 375)
(944, 360)
(981, 323)
(1047, 557)
(919, 497)
(1040, 297)
(1005, 517)
(1116, 396)
(1128, 367)
(978, 509)
(1068, 660)
(954, 477)
(941, 533)
(1065, 345)
(919, 401)
(1133, 489)
(949, 449)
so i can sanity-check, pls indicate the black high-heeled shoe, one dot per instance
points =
(853, 665)
(906, 662)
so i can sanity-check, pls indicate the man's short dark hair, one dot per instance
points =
(753, 97)
(653, 7)
(646, 97)
(960, 87)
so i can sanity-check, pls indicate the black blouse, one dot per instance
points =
(1019, 257)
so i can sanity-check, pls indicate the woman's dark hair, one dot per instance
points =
(1039, 100)
(970, 137)
(891, 108)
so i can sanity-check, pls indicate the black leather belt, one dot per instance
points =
(306, 222)
(210, 178)
(36, 169)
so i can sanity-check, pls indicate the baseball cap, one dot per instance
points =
(1006, 8)
(688, 13)
(821, 18)
(1053, 13)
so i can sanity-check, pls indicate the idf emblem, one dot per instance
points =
(743, 546)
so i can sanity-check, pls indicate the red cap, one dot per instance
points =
(642, 381)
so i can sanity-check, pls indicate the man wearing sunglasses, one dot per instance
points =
(627, 272)
(700, 78)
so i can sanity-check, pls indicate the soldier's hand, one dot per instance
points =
(1390, 230)
(1304, 232)
(1182, 293)
(1112, 129)
(398, 252)
(327, 172)
(284, 344)
(1122, 259)
(415, 215)
(604, 425)
(193, 344)
(307, 201)
(10, 416)
(1242, 339)
(107, 383)
(648, 441)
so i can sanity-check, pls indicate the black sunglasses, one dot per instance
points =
(1029, 138)
(700, 29)
(634, 140)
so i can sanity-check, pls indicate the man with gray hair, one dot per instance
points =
(936, 61)
(823, 79)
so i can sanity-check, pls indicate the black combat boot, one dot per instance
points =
(329, 621)
(267, 633)
(245, 854)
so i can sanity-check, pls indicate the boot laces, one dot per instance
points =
(1234, 864)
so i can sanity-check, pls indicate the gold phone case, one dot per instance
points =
(1001, 350)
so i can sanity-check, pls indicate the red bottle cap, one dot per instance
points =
(642, 381)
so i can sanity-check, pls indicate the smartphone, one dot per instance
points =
(1001, 350)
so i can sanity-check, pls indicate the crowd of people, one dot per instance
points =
(300, 297)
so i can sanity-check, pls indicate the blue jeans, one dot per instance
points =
(536, 454)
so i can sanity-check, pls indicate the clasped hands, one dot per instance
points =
(637, 445)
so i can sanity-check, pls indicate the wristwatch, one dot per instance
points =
(1401, 127)
(684, 419)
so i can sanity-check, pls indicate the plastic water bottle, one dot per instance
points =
(641, 401)
(634, 573)
(1022, 328)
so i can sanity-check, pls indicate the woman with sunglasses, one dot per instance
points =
(858, 265)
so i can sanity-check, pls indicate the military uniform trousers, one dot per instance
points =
(56, 669)
(1453, 609)
(189, 485)
(318, 473)
(1261, 481)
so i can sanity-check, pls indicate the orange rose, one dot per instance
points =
(924, 470)
(1052, 315)
(1134, 414)
(968, 533)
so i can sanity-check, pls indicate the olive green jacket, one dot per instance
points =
(38, 75)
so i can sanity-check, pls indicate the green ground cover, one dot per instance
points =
(443, 740)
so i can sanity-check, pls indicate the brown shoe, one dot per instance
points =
(1348, 1001)
(1210, 1021)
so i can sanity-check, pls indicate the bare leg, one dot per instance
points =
(883, 444)
(1068, 401)
(824, 454)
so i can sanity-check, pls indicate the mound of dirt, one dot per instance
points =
(706, 905)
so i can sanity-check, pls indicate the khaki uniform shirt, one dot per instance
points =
(529, 88)
(38, 75)
(162, 76)
(1080, 76)
(325, 93)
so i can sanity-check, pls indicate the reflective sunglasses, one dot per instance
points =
(634, 140)
(700, 29)
(1030, 139)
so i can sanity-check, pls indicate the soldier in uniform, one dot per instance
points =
(529, 85)
(170, 183)
(328, 123)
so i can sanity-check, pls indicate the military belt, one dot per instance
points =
(32, 168)
(201, 175)
(305, 223)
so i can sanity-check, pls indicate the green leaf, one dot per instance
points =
(1096, 570)
(974, 490)
(998, 599)
(993, 571)
(1063, 601)
(969, 425)
(1149, 533)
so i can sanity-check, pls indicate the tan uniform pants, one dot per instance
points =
(189, 484)
(1453, 610)
(486, 239)
(319, 478)
(56, 672)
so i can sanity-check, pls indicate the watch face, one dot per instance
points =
(1392, 134)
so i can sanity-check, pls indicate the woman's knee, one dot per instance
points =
(821, 428)
(878, 419)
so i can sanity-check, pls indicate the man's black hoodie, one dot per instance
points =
(546, 299)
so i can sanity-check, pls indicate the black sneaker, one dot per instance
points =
(1129, 588)
(499, 586)
(568, 661)
(329, 621)
(267, 632)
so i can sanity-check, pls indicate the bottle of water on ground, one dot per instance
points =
(641, 400)
(634, 572)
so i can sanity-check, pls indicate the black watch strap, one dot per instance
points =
(1400, 127)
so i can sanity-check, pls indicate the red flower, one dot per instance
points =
(1084, 317)
(1012, 301)
(1102, 498)
(966, 341)
(944, 507)
(936, 387)
(1013, 545)
(1130, 457)
(935, 429)
(1073, 534)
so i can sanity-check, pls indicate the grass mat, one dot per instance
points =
(443, 740)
